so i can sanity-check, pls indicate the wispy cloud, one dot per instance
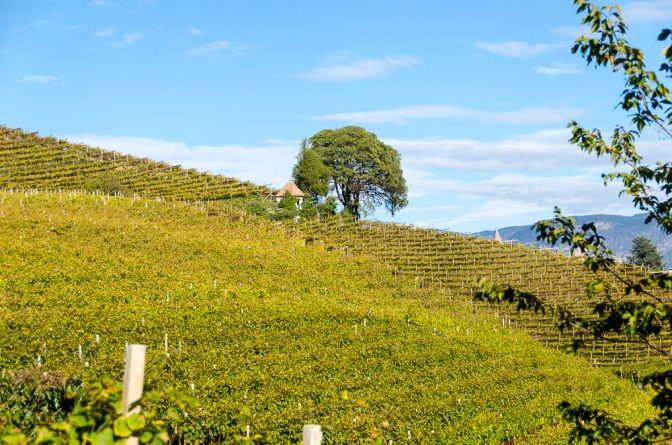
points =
(517, 179)
(648, 11)
(512, 180)
(269, 164)
(104, 32)
(130, 38)
(401, 115)
(544, 150)
(535, 115)
(517, 49)
(509, 198)
(210, 48)
(218, 47)
(101, 2)
(560, 69)
(40, 79)
(571, 31)
(404, 115)
(499, 209)
(339, 69)
(196, 32)
(577, 194)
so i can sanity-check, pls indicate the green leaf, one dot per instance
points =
(81, 421)
(105, 437)
(14, 439)
(174, 415)
(135, 422)
(121, 428)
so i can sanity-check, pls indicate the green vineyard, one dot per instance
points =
(366, 328)
(453, 263)
(253, 317)
(31, 161)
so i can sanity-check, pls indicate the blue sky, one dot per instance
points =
(474, 95)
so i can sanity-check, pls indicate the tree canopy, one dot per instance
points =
(310, 174)
(361, 170)
(645, 253)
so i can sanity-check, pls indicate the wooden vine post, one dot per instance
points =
(134, 376)
(312, 434)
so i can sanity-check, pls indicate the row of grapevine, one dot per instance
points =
(28, 160)
(453, 263)
(237, 313)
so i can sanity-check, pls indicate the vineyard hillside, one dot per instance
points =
(452, 264)
(28, 160)
(241, 312)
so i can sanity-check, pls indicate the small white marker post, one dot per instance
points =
(134, 376)
(312, 435)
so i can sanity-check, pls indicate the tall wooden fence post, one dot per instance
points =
(134, 376)
(312, 434)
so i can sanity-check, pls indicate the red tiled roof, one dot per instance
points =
(291, 188)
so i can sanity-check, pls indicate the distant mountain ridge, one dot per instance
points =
(618, 231)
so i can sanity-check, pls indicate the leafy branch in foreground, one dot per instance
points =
(641, 313)
(90, 415)
(645, 98)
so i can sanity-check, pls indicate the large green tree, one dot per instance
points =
(644, 253)
(353, 163)
(310, 174)
(645, 312)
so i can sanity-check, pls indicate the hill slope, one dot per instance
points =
(254, 316)
(618, 231)
(31, 161)
(453, 263)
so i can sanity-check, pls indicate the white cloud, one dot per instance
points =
(101, 2)
(573, 32)
(269, 164)
(104, 32)
(130, 38)
(498, 209)
(339, 69)
(401, 115)
(517, 49)
(560, 69)
(508, 199)
(210, 48)
(654, 150)
(536, 115)
(490, 184)
(545, 150)
(512, 181)
(216, 47)
(648, 11)
(404, 115)
(196, 32)
(580, 194)
(40, 79)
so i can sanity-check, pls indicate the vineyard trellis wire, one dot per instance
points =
(452, 263)
(30, 161)
(213, 294)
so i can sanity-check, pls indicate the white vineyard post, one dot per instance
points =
(134, 376)
(312, 434)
